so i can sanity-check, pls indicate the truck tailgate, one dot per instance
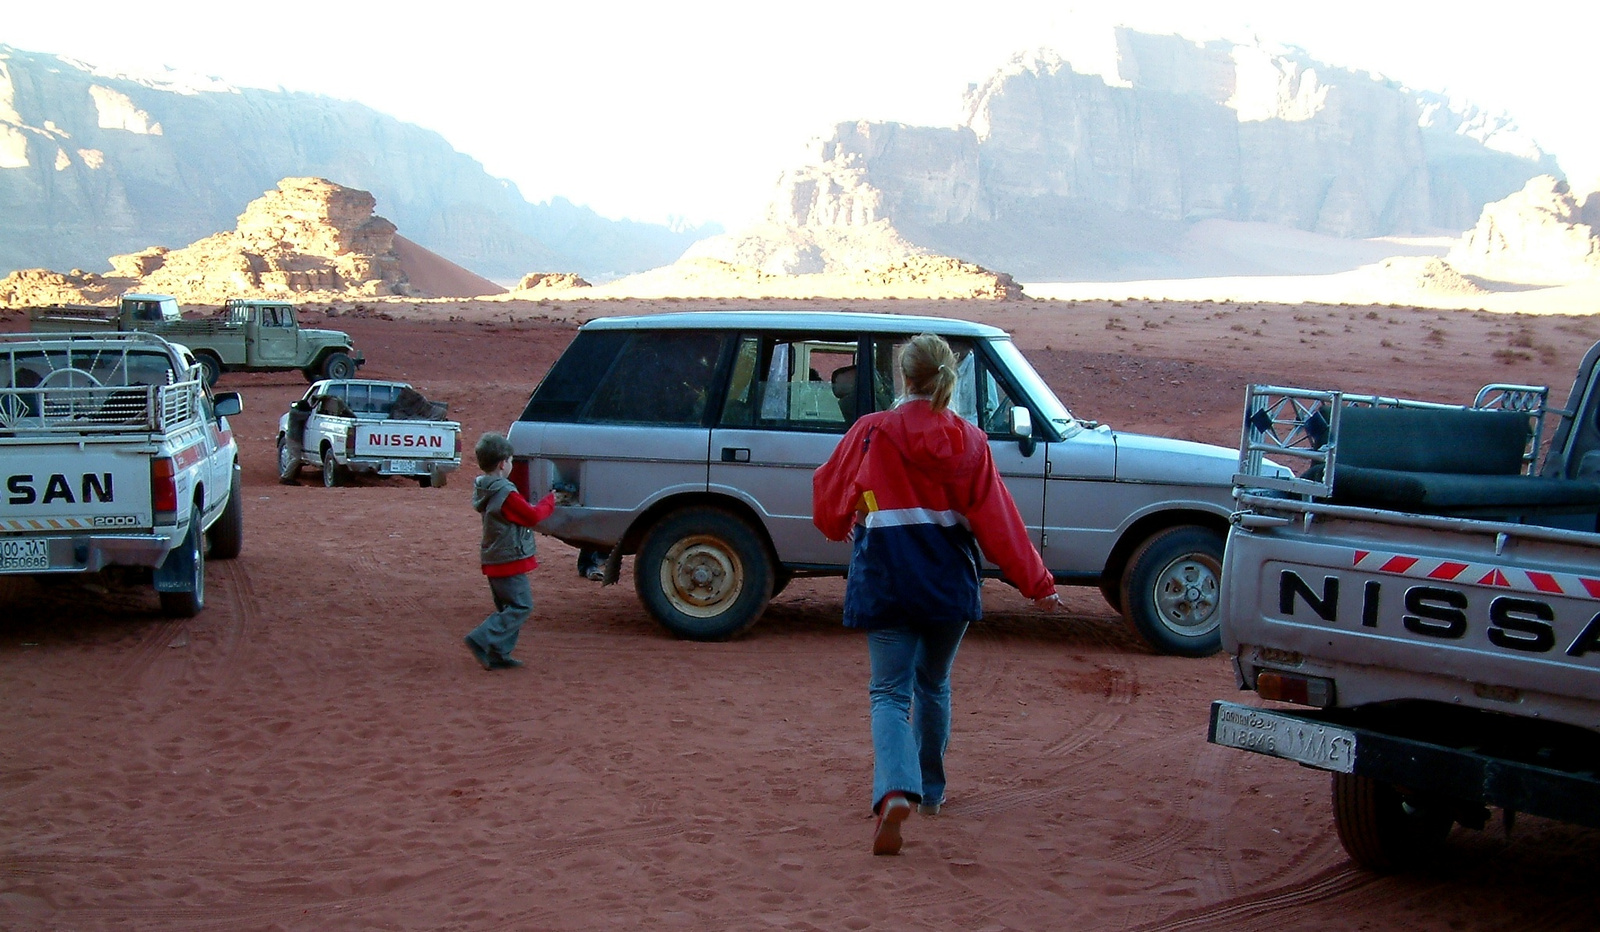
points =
(405, 439)
(52, 497)
(1501, 618)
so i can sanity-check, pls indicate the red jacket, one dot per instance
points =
(918, 488)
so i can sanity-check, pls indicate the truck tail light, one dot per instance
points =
(350, 442)
(519, 478)
(164, 490)
(1288, 687)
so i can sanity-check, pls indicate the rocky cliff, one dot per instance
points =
(1542, 234)
(94, 164)
(1060, 174)
(308, 238)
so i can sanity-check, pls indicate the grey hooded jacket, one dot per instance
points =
(503, 541)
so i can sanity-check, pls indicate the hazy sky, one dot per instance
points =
(691, 109)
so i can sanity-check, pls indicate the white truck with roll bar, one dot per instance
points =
(115, 454)
(1425, 599)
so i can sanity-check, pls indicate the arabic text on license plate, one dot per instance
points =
(1328, 747)
(25, 553)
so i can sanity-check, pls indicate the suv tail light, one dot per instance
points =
(519, 478)
(164, 490)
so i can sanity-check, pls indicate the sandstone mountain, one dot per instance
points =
(95, 164)
(1542, 234)
(307, 238)
(1056, 174)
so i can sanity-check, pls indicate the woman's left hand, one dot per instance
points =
(1050, 603)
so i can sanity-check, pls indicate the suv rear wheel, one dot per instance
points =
(704, 574)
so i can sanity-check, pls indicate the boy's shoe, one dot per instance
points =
(502, 662)
(929, 808)
(893, 811)
(479, 652)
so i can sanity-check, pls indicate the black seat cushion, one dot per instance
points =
(1435, 440)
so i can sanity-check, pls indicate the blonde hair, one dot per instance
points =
(929, 367)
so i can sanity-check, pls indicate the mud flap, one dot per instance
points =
(176, 572)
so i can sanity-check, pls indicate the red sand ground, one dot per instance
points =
(318, 751)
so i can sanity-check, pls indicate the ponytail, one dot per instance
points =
(929, 367)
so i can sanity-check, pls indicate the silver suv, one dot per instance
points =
(690, 439)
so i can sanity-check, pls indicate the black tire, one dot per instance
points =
(310, 374)
(338, 366)
(332, 472)
(288, 466)
(704, 574)
(210, 367)
(1170, 588)
(1112, 590)
(1381, 828)
(188, 604)
(227, 535)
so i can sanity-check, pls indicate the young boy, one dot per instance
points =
(506, 552)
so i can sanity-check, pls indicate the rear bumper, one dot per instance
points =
(1328, 740)
(90, 553)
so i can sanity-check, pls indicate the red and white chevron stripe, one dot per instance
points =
(1478, 574)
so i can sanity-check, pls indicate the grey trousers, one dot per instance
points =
(513, 603)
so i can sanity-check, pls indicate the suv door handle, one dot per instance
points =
(736, 454)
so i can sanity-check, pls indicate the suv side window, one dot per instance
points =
(659, 377)
(792, 382)
(979, 396)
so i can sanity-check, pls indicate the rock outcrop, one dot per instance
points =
(95, 164)
(917, 277)
(1542, 234)
(1058, 174)
(308, 238)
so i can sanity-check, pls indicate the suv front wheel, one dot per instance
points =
(704, 574)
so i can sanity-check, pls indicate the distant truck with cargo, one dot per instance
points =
(245, 336)
(348, 426)
(115, 454)
(1421, 607)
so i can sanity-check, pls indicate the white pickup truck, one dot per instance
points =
(115, 453)
(381, 428)
(1425, 599)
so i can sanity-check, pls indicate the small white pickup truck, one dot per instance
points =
(347, 426)
(114, 453)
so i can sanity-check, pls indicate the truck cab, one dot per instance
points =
(135, 309)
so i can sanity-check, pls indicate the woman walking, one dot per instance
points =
(915, 490)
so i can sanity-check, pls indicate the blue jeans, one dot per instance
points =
(910, 690)
(513, 603)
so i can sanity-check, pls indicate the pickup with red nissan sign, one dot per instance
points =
(349, 426)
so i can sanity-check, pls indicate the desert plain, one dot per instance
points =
(317, 751)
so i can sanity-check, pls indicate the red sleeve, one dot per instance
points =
(1001, 533)
(517, 510)
(834, 494)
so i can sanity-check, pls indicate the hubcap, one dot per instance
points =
(701, 576)
(1186, 595)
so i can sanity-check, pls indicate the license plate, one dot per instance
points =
(1326, 747)
(26, 553)
(403, 467)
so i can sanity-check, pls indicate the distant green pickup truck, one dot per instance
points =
(246, 336)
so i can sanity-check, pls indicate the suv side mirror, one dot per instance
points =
(1022, 429)
(227, 404)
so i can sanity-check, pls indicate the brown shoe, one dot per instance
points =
(893, 811)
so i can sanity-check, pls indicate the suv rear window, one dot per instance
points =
(631, 377)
